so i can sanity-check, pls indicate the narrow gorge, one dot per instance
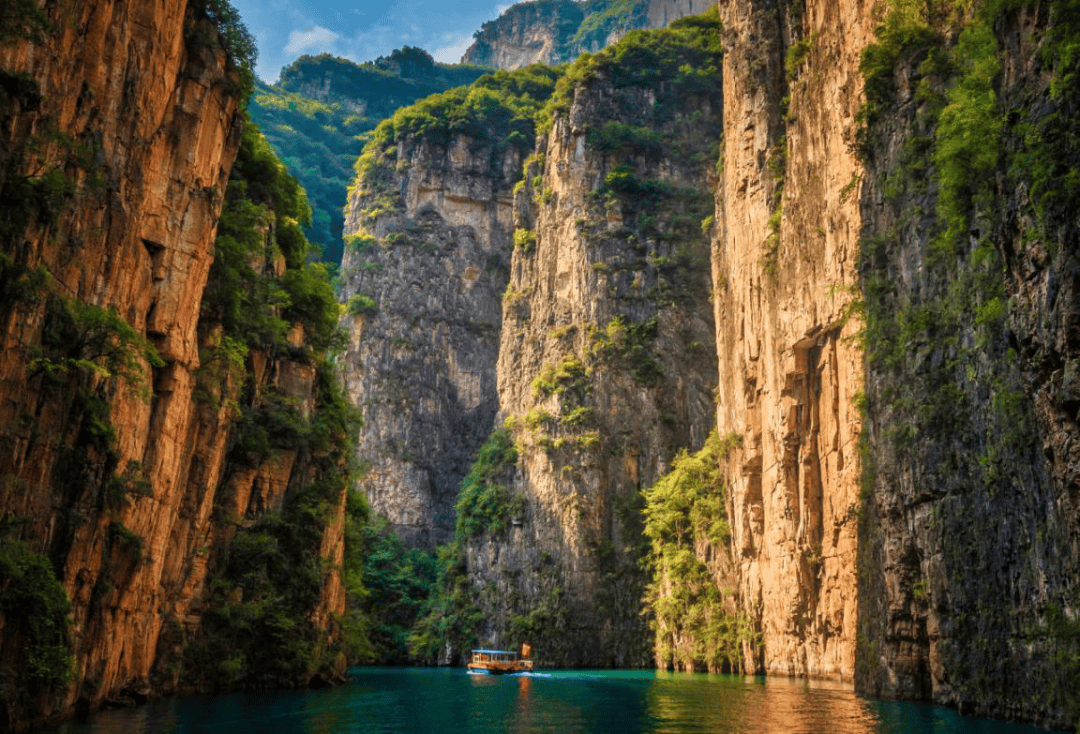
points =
(743, 343)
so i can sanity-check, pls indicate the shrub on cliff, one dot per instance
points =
(485, 502)
(264, 210)
(35, 608)
(684, 514)
(239, 44)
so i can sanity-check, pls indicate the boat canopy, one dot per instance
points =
(496, 652)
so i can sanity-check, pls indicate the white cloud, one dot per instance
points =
(453, 49)
(317, 39)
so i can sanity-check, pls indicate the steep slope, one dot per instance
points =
(606, 364)
(126, 488)
(429, 233)
(558, 31)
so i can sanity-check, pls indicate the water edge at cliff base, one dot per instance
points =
(449, 701)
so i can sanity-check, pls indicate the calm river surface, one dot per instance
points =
(450, 701)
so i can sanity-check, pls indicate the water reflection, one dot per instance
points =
(422, 700)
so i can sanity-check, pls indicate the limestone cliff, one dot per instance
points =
(429, 238)
(784, 271)
(606, 362)
(121, 122)
(969, 572)
(558, 31)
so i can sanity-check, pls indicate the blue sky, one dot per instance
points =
(361, 30)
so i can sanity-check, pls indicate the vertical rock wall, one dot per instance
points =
(421, 360)
(969, 562)
(123, 123)
(784, 264)
(606, 362)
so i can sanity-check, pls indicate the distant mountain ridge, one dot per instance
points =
(558, 31)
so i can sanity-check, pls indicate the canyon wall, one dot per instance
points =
(558, 31)
(606, 362)
(422, 353)
(969, 533)
(784, 275)
(121, 122)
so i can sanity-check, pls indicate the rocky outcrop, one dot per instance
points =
(121, 123)
(421, 357)
(606, 363)
(790, 375)
(558, 31)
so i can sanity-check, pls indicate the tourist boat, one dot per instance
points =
(501, 661)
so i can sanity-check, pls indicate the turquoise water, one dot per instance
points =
(450, 701)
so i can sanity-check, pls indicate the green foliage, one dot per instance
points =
(450, 618)
(968, 132)
(1047, 153)
(629, 344)
(497, 108)
(361, 243)
(30, 200)
(250, 302)
(686, 523)
(361, 304)
(772, 242)
(239, 44)
(258, 629)
(82, 337)
(318, 142)
(618, 137)
(681, 60)
(596, 25)
(906, 28)
(797, 54)
(1063, 630)
(485, 503)
(121, 535)
(524, 240)
(397, 583)
(570, 375)
(35, 610)
(19, 284)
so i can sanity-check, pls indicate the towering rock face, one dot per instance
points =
(422, 355)
(558, 31)
(121, 123)
(137, 128)
(429, 231)
(969, 566)
(785, 259)
(606, 364)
